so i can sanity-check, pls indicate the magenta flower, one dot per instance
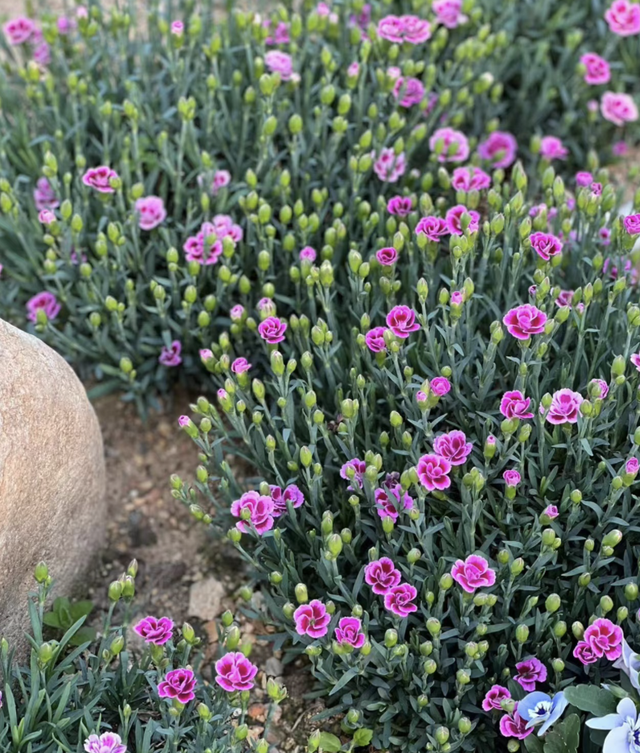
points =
(530, 672)
(453, 219)
(240, 365)
(307, 254)
(154, 630)
(236, 313)
(280, 498)
(524, 321)
(620, 148)
(623, 18)
(42, 53)
(598, 70)
(433, 472)
(179, 684)
(46, 217)
(604, 639)
(454, 146)
(390, 500)
(44, 195)
(552, 148)
(197, 248)
(565, 297)
(151, 212)
(401, 320)
(584, 178)
(389, 166)
(221, 178)
(473, 573)
(511, 478)
(494, 697)
(399, 600)
(470, 179)
(234, 672)
(604, 387)
(349, 632)
(618, 108)
(107, 742)
(280, 34)
(513, 725)
(408, 91)
(354, 69)
(206, 354)
(632, 465)
(260, 509)
(99, 178)
(515, 405)
(375, 339)
(382, 575)
(177, 28)
(632, 224)
(272, 330)
(44, 301)
(440, 386)
(584, 654)
(453, 447)
(404, 29)
(182, 422)
(359, 467)
(279, 62)
(224, 227)
(551, 511)
(400, 205)
(433, 227)
(312, 619)
(387, 256)
(170, 356)
(499, 148)
(449, 13)
(546, 245)
(19, 30)
(565, 407)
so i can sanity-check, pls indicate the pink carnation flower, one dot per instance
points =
(632, 465)
(151, 212)
(620, 148)
(551, 511)
(19, 30)
(359, 468)
(455, 145)
(631, 224)
(272, 330)
(565, 407)
(382, 575)
(453, 447)
(433, 227)
(389, 166)
(598, 70)
(513, 725)
(260, 509)
(454, 219)
(499, 148)
(280, 498)
(387, 256)
(604, 639)
(390, 500)
(280, 34)
(221, 178)
(623, 18)
(99, 178)
(349, 632)
(240, 365)
(46, 217)
(170, 356)
(399, 600)
(152, 629)
(604, 387)
(401, 320)
(107, 742)
(307, 254)
(400, 205)
(525, 320)
(353, 70)
(312, 619)
(515, 405)
(440, 386)
(433, 472)
(618, 108)
(473, 573)
(552, 148)
(279, 62)
(178, 684)
(234, 672)
(545, 245)
(584, 178)
(470, 179)
(44, 301)
(408, 91)
(42, 53)
(511, 478)
(530, 672)
(375, 340)
(449, 13)
(177, 28)
(236, 313)
(494, 697)
(44, 196)
(404, 29)
(584, 654)
(197, 248)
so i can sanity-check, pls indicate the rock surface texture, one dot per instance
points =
(52, 476)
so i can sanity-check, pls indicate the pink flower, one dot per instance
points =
(197, 248)
(177, 28)
(108, 742)
(511, 478)
(499, 148)
(399, 600)
(170, 356)
(404, 29)
(44, 301)
(260, 509)
(182, 422)
(308, 254)
(545, 245)
(632, 224)
(46, 217)
(363, 19)
(266, 305)
(598, 70)
(515, 405)
(530, 672)
(99, 178)
(312, 619)
(440, 386)
(387, 256)
(513, 725)
(551, 511)
(280, 35)
(359, 467)
(353, 70)
(593, 106)
(584, 179)
(272, 330)
(604, 638)
(240, 365)
(279, 62)
(584, 654)
(401, 320)
(604, 387)
(470, 179)
(433, 227)
(565, 407)
(454, 219)
(433, 472)
(44, 195)
(408, 91)
(620, 148)
(605, 235)
(152, 629)
(42, 53)
(349, 632)
(179, 684)
(375, 339)
(473, 573)
(421, 397)
(236, 313)
(322, 9)
(223, 227)
(221, 178)
(19, 30)
(390, 500)
(400, 205)
(632, 465)
(494, 698)
(453, 447)
(457, 298)
(453, 144)
(152, 212)
(449, 13)
(280, 498)
(564, 298)
(618, 108)
(552, 148)
(623, 18)
(382, 575)
(524, 321)
(234, 672)
(389, 166)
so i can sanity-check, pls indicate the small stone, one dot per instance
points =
(205, 599)
(273, 667)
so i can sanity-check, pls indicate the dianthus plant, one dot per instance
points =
(443, 421)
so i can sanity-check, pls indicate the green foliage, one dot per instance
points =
(590, 698)
(65, 613)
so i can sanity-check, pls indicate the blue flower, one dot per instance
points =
(629, 663)
(624, 736)
(539, 708)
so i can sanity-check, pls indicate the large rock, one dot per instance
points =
(52, 475)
